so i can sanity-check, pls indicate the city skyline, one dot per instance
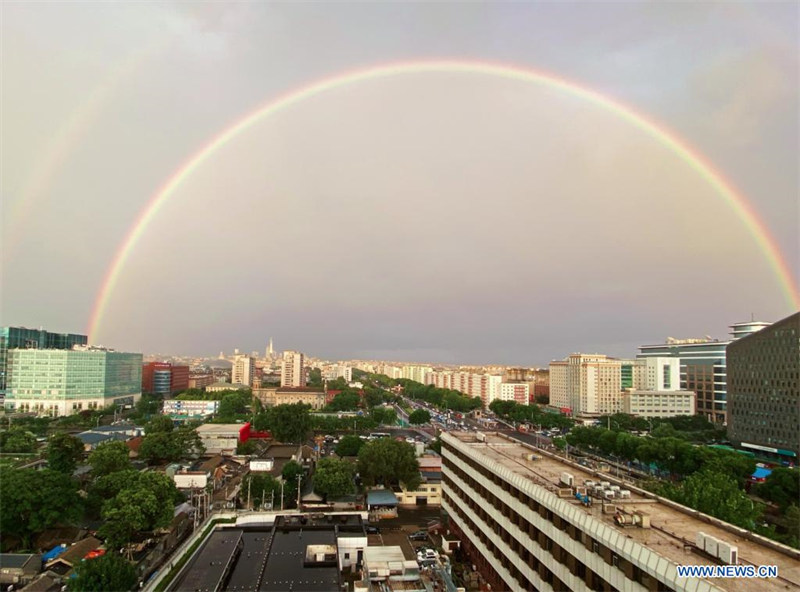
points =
(506, 205)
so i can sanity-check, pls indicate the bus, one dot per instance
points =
(376, 435)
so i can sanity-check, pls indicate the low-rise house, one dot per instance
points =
(19, 568)
(382, 503)
(386, 569)
(67, 560)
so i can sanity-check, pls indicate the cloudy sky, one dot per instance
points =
(449, 217)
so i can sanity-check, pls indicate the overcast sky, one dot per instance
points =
(453, 218)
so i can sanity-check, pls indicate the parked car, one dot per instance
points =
(373, 530)
(420, 535)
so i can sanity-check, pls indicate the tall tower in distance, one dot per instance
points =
(270, 350)
(292, 371)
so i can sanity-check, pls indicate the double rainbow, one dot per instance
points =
(689, 155)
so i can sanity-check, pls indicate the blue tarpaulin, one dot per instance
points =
(54, 552)
(761, 473)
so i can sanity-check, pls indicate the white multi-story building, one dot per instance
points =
(338, 371)
(292, 369)
(519, 392)
(243, 370)
(416, 373)
(520, 534)
(586, 384)
(484, 386)
(660, 374)
(648, 403)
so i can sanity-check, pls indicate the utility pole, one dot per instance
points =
(282, 483)
(249, 481)
(299, 477)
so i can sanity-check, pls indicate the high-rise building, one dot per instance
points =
(416, 373)
(702, 366)
(763, 385)
(163, 378)
(586, 384)
(243, 370)
(63, 382)
(293, 369)
(513, 508)
(24, 338)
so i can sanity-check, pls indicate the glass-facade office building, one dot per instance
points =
(63, 382)
(23, 338)
(703, 368)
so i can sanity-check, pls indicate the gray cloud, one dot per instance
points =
(456, 217)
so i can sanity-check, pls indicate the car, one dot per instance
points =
(420, 535)
(373, 530)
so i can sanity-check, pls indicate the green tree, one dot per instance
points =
(246, 448)
(384, 416)
(172, 445)
(17, 439)
(144, 504)
(158, 447)
(314, 377)
(260, 489)
(349, 445)
(146, 407)
(288, 423)
(189, 442)
(109, 572)
(233, 404)
(33, 501)
(716, 494)
(781, 487)
(291, 470)
(560, 443)
(160, 424)
(334, 477)
(419, 417)
(389, 462)
(344, 401)
(109, 457)
(63, 453)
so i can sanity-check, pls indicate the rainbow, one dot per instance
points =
(689, 155)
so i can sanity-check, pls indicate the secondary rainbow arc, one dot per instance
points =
(691, 156)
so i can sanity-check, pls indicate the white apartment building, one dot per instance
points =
(587, 384)
(416, 373)
(338, 371)
(243, 370)
(518, 392)
(649, 403)
(485, 386)
(292, 369)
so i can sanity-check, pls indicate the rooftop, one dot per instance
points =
(220, 429)
(672, 534)
(381, 497)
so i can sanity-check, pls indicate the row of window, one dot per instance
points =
(560, 555)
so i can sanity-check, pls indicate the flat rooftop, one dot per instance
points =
(219, 428)
(209, 566)
(252, 559)
(285, 567)
(672, 533)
